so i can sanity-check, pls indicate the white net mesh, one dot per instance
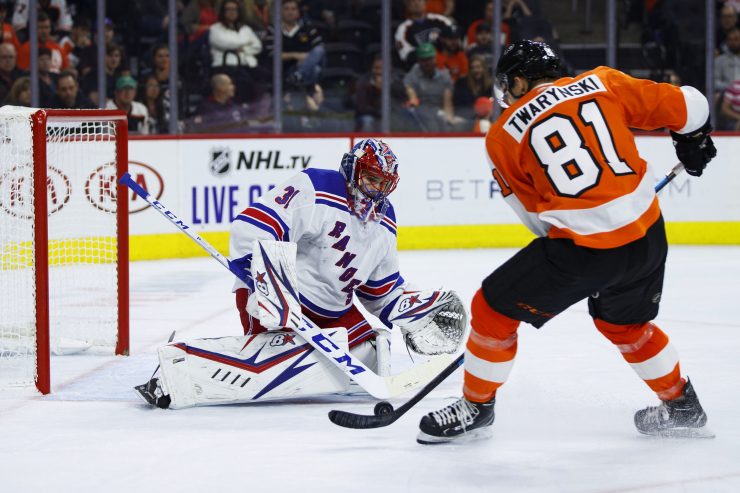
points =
(82, 230)
(17, 299)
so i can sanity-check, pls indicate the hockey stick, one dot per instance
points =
(668, 177)
(375, 385)
(384, 414)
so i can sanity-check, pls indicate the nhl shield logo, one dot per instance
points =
(220, 161)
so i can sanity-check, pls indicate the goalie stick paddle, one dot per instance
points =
(380, 387)
(384, 414)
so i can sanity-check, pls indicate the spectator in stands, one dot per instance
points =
(477, 84)
(150, 95)
(59, 15)
(47, 79)
(78, 46)
(123, 99)
(441, 7)
(221, 98)
(727, 65)
(219, 112)
(232, 41)
(20, 92)
(487, 20)
(730, 107)
(113, 70)
(728, 20)
(8, 33)
(429, 92)
(450, 54)
(367, 98)
(68, 94)
(160, 69)
(514, 9)
(9, 73)
(419, 27)
(483, 45)
(59, 60)
(198, 17)
(303, 49)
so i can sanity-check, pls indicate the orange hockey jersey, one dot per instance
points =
(566, 160)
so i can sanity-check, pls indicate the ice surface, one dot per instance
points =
(564, 419)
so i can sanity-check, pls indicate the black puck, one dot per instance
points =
(383, 407)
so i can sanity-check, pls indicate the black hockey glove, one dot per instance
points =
(695, 149)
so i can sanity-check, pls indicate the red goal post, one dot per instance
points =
(63, 239)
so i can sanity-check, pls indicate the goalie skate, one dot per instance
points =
(682, 417)
(153, 394)
(461, 421)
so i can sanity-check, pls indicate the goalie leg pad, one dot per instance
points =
(228, 370)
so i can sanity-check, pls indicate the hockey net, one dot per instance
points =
(63, 239)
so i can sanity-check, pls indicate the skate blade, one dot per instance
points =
(702, 432)
(145, 395)
(471, 436)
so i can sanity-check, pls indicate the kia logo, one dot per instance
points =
(16, 191)
(100, 188)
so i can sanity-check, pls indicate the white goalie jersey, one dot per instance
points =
(338, 254)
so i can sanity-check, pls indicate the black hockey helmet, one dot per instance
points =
(532, 60)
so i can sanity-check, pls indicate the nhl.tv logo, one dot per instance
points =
(220, 161)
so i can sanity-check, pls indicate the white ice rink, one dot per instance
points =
(563, 421)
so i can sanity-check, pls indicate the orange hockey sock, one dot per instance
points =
(649, 352)
(490, 350)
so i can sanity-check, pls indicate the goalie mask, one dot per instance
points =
(371, 171)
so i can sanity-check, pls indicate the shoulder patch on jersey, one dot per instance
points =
(330, 187)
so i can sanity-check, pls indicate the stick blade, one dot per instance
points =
(360, 421)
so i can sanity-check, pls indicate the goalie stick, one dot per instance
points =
(380, 387)
(385, 415)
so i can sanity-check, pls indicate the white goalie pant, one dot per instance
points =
(266, 366)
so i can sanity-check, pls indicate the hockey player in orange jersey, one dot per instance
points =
(566, 161)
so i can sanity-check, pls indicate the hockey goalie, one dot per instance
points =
(332, 235)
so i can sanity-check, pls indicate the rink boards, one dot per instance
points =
(446, 197)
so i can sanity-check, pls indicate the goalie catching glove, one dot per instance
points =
(432, 322)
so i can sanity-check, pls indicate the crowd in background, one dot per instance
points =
(331, 52)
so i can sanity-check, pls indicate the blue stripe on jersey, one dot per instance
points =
(336, 205)
(373, 297)
(390, 212)
(388, 227)
(327, 180)
(258, 224)
(322, 311)
(276, 217)
(385, 280)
